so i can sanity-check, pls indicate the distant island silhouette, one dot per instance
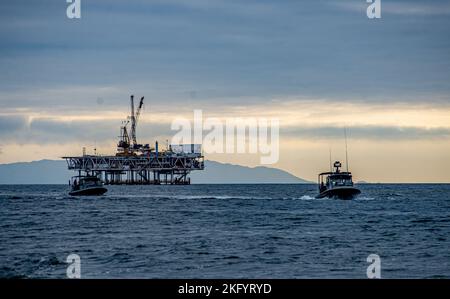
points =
(55, 172)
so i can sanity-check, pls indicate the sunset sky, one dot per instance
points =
(318, 66)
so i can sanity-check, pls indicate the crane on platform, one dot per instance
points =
(135, 118)
(128, 144)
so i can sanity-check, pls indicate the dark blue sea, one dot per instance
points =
(225, 231)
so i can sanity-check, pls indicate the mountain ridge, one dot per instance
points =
(55, 172)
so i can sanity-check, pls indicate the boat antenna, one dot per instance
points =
(331, 168)
(346, 151)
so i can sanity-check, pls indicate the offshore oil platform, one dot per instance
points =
(140, 164)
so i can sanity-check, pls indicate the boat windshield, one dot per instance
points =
(90, 182)
(85, 182)
(339, 180)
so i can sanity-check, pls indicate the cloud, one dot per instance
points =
(52, 131)
(368, 132)
(10, 123)
(419, 9)
(222, 49)
(407, 8)
(18, 129)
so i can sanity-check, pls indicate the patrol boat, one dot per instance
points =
(337, 184)
(86, 185)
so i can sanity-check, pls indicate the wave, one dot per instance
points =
(207, 197)
(185, 197)
(306, 197)
(362, 198)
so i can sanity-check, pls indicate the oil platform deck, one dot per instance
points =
(140, 164)
(154, 168)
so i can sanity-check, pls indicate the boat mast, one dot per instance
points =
(346, 151)
(331, 167)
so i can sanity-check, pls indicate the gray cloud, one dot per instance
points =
(407, 8)
(46, 131)
(225, 50)
(12, 123)
(368, 132)
(51, 131)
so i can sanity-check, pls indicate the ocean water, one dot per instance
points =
(225, 231)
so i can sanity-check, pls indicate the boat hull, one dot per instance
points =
(345, 193)
(89, 191)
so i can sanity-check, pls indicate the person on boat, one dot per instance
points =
(322, 187)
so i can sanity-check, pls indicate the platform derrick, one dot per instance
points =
(137, 164)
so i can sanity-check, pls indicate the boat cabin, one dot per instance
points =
(330, 180)
(83, 182)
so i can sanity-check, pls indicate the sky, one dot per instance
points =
(318, 66)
